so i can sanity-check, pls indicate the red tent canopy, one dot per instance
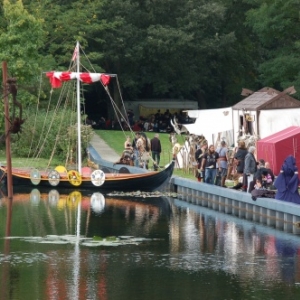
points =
(276, 147)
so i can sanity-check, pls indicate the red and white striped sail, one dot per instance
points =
(56, 78)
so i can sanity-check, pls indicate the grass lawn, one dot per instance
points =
(40, 163)
(115, 139)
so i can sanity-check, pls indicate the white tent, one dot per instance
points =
(211, 122)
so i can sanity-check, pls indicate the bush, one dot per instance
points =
(49, 134)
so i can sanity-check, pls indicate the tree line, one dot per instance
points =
(184, 49)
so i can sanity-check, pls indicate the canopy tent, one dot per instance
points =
(277, 147)
(211, 122)
(146, 110)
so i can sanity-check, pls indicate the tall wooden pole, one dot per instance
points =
(7, 132)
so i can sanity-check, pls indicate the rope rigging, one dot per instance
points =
(54, 115)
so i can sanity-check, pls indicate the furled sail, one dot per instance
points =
(56, 78)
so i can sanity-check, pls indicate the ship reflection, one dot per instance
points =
(71, 200)
(59, 224)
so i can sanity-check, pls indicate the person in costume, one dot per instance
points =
(200, 175)
(287, 181)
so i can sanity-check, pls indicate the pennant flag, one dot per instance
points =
(56, 78)
(75, 53)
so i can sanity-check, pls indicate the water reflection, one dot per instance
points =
(59, 248)
(236, 246)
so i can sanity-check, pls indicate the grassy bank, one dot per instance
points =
(115, 139)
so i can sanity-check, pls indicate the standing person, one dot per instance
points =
(239, 161)
(222, 163)
(136, 150)
(250, 168)
(143, 146)
(209, 163)
(155, 150)
(240, 157)
(199, 157)
(287, 181)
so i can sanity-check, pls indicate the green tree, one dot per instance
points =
(21, 37)
(237, 60)
(163, 49)
(277, 25)
(193, 49)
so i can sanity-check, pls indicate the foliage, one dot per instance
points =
(21, 37)
(166, 49)
(196, 49)
(68, 140)
(50, 134)
(277, 26)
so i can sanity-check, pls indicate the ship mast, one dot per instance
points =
(78, 110)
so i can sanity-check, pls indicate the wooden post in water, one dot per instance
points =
(7, 132)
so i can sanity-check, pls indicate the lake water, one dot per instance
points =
(94, 246)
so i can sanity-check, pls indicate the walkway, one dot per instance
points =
(103, 149)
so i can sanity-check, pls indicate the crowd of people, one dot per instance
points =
(214, 166)
(249, 174)
(141, 150)
(158, 122)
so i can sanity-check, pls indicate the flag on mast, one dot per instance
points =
(75, 53)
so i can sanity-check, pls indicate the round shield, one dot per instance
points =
(74, 178)
(53, 197)
(61, 170)
(35, 176)
(98, 177)
(53, 177)
(97, 202)
(86, 171)
(35, 197)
